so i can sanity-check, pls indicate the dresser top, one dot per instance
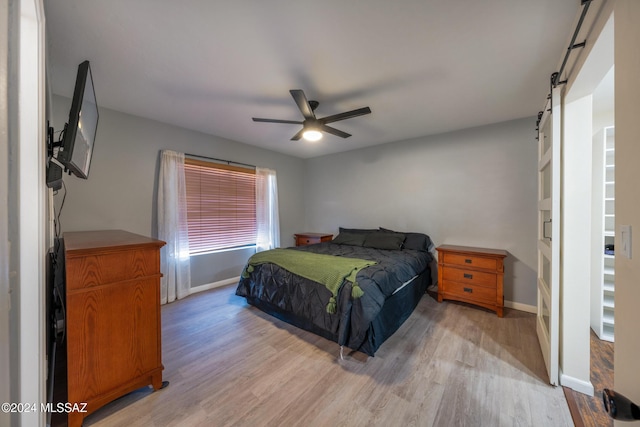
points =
(100, 240)
(472, 250)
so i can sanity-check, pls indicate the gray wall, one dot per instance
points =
(475, 187)
(121, 192)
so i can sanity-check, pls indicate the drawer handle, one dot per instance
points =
(468, 290)
(468, 261)
(468, 276)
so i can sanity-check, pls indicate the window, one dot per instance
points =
(221, 206)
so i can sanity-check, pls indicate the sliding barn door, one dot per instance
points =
(547, 325)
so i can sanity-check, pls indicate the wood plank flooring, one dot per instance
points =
(230, 364)
(589, 411)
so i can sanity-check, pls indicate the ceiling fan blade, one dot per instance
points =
(298, 135)
(255, 119)
(303, 104)
(346, 115)
(333, 131)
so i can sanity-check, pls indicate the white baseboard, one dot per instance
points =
(521, 307)
(214, 285)
(584, 387)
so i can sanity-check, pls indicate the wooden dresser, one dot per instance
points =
(112, 316)
(311, 238)
(472, 275)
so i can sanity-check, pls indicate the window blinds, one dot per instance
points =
(221, 206)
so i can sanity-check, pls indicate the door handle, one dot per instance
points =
(544, 230)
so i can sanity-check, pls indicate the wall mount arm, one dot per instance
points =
(51, 143)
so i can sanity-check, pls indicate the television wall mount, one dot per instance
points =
(51, 143)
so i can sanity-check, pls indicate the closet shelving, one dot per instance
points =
(603, 289)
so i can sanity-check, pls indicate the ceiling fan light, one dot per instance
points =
(312, 135)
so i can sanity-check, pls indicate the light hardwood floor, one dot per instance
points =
(450, 364)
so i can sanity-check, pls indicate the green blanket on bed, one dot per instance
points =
(329, 270)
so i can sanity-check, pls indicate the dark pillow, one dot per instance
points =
(384, 240)
(359, 230)
(348, 238)
(415, 241)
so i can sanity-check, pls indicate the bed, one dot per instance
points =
(390, 272)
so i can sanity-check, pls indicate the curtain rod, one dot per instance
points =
(221, 160)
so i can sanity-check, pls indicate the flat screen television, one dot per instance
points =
(80, 132)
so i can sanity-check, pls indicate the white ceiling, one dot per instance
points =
(422, 66)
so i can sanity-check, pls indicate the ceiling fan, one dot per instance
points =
(313, 127)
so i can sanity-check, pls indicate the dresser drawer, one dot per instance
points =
(103, 269)
(470, 291)
(469, 276)
(470, 261)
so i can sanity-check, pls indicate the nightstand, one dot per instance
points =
(472, 275)
(303, 239)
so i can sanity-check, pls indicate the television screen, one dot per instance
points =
(79, 135)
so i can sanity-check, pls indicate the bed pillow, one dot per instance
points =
(359, 230)
(384, 240)
(415, 241)
(418, 242)
(349, 238)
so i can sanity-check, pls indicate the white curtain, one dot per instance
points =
(172, 228)
(267, 219)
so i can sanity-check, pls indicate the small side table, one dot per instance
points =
(472, 275)
(303, 239)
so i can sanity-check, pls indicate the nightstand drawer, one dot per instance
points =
(469, 276)
(470, 291)
(470, 261)
(303, 239)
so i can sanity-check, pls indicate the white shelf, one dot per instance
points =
(607, 317)
(608, 287)
(608, 301)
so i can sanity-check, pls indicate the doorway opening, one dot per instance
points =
(589, 104)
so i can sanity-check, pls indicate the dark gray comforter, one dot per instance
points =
(272, 287)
